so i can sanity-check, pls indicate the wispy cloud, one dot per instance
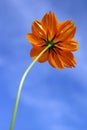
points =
(55, 109)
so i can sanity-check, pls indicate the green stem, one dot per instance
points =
(21, 85)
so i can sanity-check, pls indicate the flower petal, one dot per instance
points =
(55, 61)
(66, 31)
(35, 51)
(38, 30)
(69, 45)
(68, 59)
(35, 40)
(64, 25)
(50, 24)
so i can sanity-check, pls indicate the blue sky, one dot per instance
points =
(51, 99)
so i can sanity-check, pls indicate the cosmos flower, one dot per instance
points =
(59, 35)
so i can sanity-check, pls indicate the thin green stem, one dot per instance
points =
(21, 85)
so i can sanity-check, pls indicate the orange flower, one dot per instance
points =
(59, 36)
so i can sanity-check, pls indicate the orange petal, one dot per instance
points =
(35, 40)
(63, 25)
(66, 31)
(68, 59)
(50, 24)
(35, 51)
(38, 30)
(69, 45)
(55, 61)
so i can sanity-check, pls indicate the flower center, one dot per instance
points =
(49, 43)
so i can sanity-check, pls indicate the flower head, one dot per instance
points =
(60, 37)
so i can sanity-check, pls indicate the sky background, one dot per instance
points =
(51, 99)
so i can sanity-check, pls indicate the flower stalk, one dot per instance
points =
(21, 85)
